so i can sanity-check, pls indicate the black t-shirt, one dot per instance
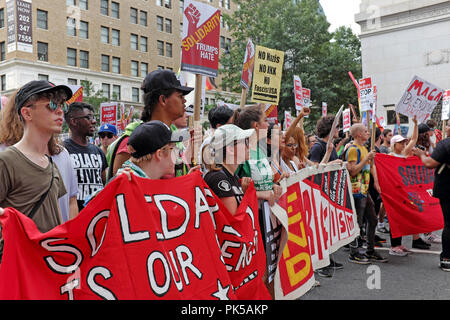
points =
(89, 162)
(224, 184)
(318, 151)
(441, 154)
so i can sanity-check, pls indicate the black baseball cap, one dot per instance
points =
(35, 87)
(150, 136)
(424, 128)
(163, 80)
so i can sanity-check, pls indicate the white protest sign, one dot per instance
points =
(298, 93)
(366, 94)
(419, 99)
(306, 93)
(346, 122)
(324, 109)
(446, 105)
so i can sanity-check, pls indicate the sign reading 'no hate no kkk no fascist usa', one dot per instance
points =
(200, 45)
(267, 75)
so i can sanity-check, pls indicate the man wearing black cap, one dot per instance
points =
(30, 182)
(164, 101)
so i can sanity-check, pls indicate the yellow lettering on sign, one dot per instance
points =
(296, 277)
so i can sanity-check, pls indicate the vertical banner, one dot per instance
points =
(267, 75)
(366, 94)
(108, 113)
(11, 23)
(298, 93)
(249, 63)
(419, 99)
(200, 44)
(346, 122)
(24, 26)
(324, 109)
(446, 105)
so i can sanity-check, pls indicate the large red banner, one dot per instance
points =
(406, 189)
(139, 239)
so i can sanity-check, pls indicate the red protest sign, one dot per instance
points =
(108, 113)
(324, 109)
(298, 92)
(346, 122)
(249, 64)
(306, 94)
(272, 113)
(200, 44)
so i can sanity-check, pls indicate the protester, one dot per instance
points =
(164, 101)
(311, 140)
(440, 159)
(107, 134)
(88, 160)
(31, 183)
(296, 131)
(437, 134)
(275, 145)
(386, 145)
(289, 162)
(323, 130)
(359, 168)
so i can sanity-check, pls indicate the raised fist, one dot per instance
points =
(192, 14)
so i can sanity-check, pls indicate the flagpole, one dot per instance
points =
(243, 97)
(197, 107)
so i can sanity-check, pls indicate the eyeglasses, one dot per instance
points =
(102, 135)
(53, 106)
(291, 145)
(89, 117)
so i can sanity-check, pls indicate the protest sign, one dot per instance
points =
(419, 99)
(108, 113)
(249, 63)
(139, 239)
(346, 122)
(271, 111)
(366, 94)
(306, 94)
(318, 216)
(446, 105)
(298, 93)
(77, 93)
(287, 120)
(406, 189)
(267, 75)
(200, 38)
(324, 109)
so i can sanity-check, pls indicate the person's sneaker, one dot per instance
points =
(397, 251)
(335, 265)
(405, 249)
(358, 258)
(325, 272)
(347, 247)
(445, 264)
(420, 244)
(375, 257)
(379, 241)
(383, 229)
(431, 238)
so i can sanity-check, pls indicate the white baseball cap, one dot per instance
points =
(396, 139)
(225, 135)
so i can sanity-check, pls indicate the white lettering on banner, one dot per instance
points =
(95, 287)
(52, 264)
(201, 206)
(176, 232)
(127, 235)
(90, 234)
(69, 287)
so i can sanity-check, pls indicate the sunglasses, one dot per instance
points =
(53, 106)
(89, 117)
(102, 135)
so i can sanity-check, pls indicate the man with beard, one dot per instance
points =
(88, 160)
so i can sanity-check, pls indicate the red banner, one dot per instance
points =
(139, 239)
(406, 189)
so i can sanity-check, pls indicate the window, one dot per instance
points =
(160, 67)
(227, 4)
(83, 4)
(105, 90)
(227, 44)
(144, 69)
(42, 51)
(168, 26)
(71, 57)
(115, 65)
(105, 63)
(70, 3)
(134, 68)
(221, 3)
(116, 92)
(134, 41)
(42, 17)
(2, 18)
(133, 15)
(105, 34)
(104, 7)
(84, 29)
(2, 50)
(85, 84)
(169, 50)
(42, 76)
(159, 2)
(84, 59)
(160, 47)
(72, 81)
(134, 94)
(143, 44)
(182, 6)
(115, 37)
(71, 27)
(143, 18)
(159, 23)
(115, 8)
(168, 3)
(3, 82)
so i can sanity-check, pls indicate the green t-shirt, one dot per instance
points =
(258, 168)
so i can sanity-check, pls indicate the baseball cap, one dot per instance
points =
(150, 136)
(397, 138)
(35, 87)
(423, 128)
(163, 80)
(107, 127)
(225, 135)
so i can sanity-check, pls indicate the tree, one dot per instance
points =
(320, 58)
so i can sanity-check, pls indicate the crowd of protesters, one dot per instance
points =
(51, 181)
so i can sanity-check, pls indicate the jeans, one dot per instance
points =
(445, 205)
(365, 208)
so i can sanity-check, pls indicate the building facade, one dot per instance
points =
(400, 39)
(112, 44)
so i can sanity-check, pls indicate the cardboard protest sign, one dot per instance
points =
(108, 113)
(318, 216)
(139, 239)
(200, 39)
(324, 109)
(267, 75)
(249, 63)
(346, 122)
(298, 93)
(366, 94)
(446, 105)
(271, 111)
(419, 99)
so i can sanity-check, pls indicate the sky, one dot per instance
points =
(341, 13)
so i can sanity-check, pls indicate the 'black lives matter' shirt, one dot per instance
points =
(89, 162)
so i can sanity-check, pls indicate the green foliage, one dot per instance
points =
(320, 58)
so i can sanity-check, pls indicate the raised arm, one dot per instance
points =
(290, 131)
(414, 138)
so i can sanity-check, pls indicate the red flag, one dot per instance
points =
(406, 189)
